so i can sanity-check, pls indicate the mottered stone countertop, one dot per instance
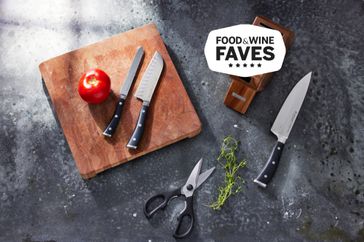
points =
(316, 195)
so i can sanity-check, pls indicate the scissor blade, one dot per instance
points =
(192, 179)
(203, 176)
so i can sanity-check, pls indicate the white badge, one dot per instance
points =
(245, 50)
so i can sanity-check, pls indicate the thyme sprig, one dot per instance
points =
(232, 180)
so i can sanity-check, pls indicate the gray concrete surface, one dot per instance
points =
(317, 193)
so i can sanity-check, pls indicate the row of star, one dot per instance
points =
(245, 65)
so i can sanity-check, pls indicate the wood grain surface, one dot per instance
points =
(247, 89)
(171, 116)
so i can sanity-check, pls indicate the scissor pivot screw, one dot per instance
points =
(189, 187)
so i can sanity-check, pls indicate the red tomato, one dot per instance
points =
(94, 86)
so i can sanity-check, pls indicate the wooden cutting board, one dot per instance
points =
(171, 115)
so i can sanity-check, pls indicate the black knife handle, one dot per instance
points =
(271, 166)
(110, 129)
(139, 128)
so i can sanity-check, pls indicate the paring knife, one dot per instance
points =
(282, 127)
(145, 92)
(124, 90)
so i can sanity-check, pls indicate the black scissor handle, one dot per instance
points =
(187, 213)
(165, 197)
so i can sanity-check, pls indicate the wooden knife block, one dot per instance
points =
(242, 90)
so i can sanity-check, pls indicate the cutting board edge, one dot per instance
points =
(89, 172)
(59, 124)
(93, 173)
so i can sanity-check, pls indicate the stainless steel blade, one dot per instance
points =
(150, 78)
(203, 176)
(192, 180)
(124, 90)
(286, 117)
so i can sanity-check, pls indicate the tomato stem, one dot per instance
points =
(93, 81)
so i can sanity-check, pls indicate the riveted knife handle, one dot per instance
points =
(139, 128)
(110, 129)
(271, 166)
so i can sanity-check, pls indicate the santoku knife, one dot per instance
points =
(145, 92)
(124, 90)
(282, 127)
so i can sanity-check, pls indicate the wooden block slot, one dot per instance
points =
(242, 90)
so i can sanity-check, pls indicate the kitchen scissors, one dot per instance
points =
(161, 200)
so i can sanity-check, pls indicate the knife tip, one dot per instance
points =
(309, 74)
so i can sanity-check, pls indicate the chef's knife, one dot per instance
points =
(145, 92)
(282, 127)
(124, 90)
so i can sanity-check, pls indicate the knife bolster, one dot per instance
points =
(242, 90)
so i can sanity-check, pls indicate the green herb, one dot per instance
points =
(232, 181)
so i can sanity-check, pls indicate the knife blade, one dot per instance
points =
(145, 93)
(124, 90)
(282, 127)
